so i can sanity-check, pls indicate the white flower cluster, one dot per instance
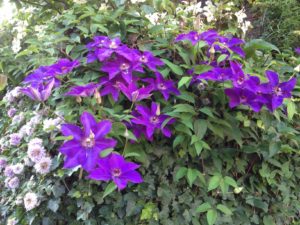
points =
(40, 31)
(52, 124)
(154, 18)
(80, 1)
(12, 95)
(243, 24)
(28, 128)
(20, 29)
(137, 1)
(37, 154)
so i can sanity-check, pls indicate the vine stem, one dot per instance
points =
(80, 173)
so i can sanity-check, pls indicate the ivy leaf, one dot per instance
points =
(230, 181)
(211, 216)
(109, 189)
(176, 69)
(258, 44)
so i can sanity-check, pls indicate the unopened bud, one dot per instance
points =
(238, 190)
(158, 110)
(78, 99)
(97, 96)
(134, 96)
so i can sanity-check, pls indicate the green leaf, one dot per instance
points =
(180, 173)
(3, 81)
(221, 58)
(109, 189)
(63, 138)
(291, 109)
(53, 205)
(274, 148)
(214, 182)
(106, 152)
(69, 48)
(224, 209)
(211, 216)
(200, 128)
(258, 44)
(203, 207)
(230, 181)
(184, 81)
(202, 69)
(198, 146)
(191, 176)
(176, 69)
(268, 220)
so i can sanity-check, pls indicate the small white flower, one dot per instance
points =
(28, 162)
(35, 141)
(51, 124)
(11, 221)
(80, 1)
(18, 168)
(13, 183)
(43, 166)
(30, 201)
(297, 68)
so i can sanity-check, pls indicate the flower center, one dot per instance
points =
(196, 37)
(116, 172)
(154, 119)
(243, 98)
(143, 59)
(89, 142)
(124, 67)
(113, 45)
(240, 80)
(135, 95)
(64, 69)
(277, 91)
(161, 86)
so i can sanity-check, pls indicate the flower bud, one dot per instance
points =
(97, 96)
(78, 99)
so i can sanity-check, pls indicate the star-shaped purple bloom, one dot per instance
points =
(133, 93)
(277, 91)
(152, 120)
(114, 167)
(192, 36)
(39, 92)
(83, 91)
(122, 66)
(238, 75)
(216, 74)
(166, 87)
(64, 66)
(148, 59)
(87, 143)
(239, 96)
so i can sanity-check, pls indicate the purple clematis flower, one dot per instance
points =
(41, 74)
(192, 36)
(115, 168)
(151, 119)
(47, 73)
(64, 66)
(122, 66)
(163, 86)
(83, 91)
(133, 93)
(87, 143)
(39, 92)
(297, 51)
(239, 96)
(277, 91)
(216, 74)
(238, 75)
(148, 59)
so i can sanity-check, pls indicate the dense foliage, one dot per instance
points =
(146, 112)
